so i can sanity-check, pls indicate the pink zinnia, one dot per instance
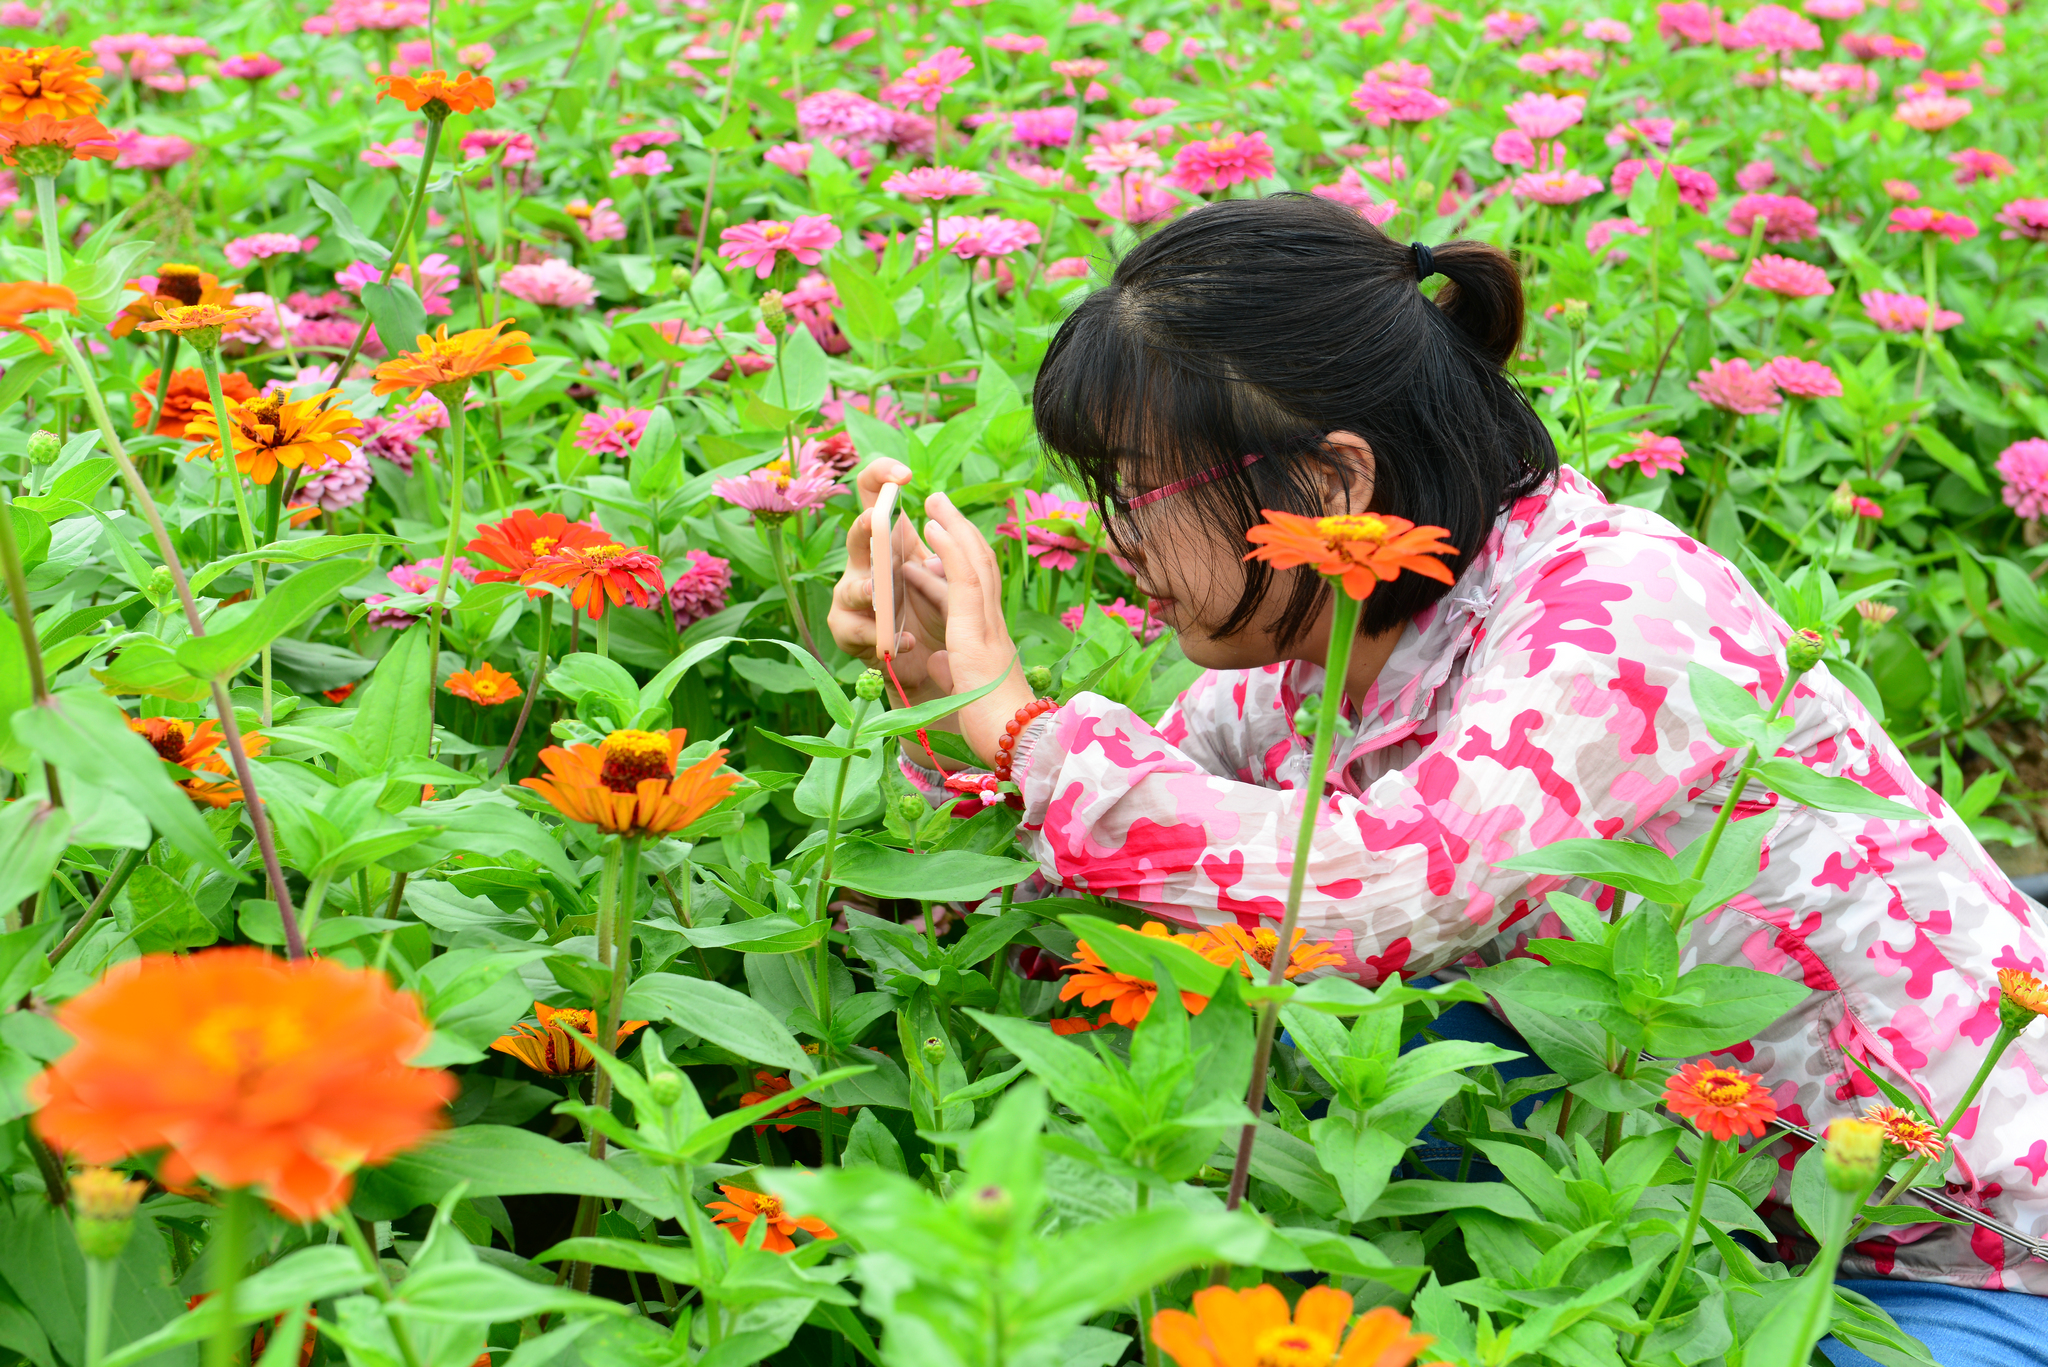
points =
(1803, 379)
(385, 155)
(1143, 624)
(1350, 190)
(843, 114)
(1221, 162)
(519, 148)
(1016, 44)
(261, 246)
(1069, 268)
(756, 244)
(1553, 183)
(476, 56)
(1137, 198)
(774, 492)
(1905, 312)
(436, 283)
(1545, 116)
(1652, 454)
(1152, 106)
(1733, 386)
(600, 222)
(1404, 72)
(612, 431)
(1976, 163)
(1872, 47)
(1693, 21)
(1756, 175)
(1118, 158)
(974, 238)
(1832, 9)
(1552, 60)
(1792, 279)
(699, 588)
(1513, 147)
(339, 485)
(1786, 218)
(1775, 30)
(1905, 191)
(150, 152)
(2026, 218)
(648, 164)
(1384, 102)
(1049, 527)
(1512, 27)
(1051, 127)
(929, 81)
(1655, 132)
(1603, 232)
(2024, 468)
(1696, 188)
(1932, 113)
(1922, 219)
(553, 283)
(935, 182)
(1609, 31)
(793, 157)
(252, 66)
(630, 143)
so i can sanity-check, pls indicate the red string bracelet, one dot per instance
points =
(1006, 744)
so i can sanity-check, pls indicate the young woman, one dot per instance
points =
(1279, 354)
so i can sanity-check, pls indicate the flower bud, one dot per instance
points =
(773, 311)
(1854, 1150)
(104, 1202)
(870, 685)
(991, 1206)
(44, 447)
(1804, 651)
(912, 808)
(161, 587)
(679, 277)
(1039, 679)
(666, 1087)
(1842, 502)
(1574, 314)
(2022, 998)
(934, 1051)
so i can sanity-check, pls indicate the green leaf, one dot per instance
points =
(478, 1293)
(799, 379)
(392, 720)
(345, 228)
(31, 536)
(398, 314)
(1792, 779)
(1624, 864)
(1947, 454)
(937, 876)
(32, 839)
(287, 604)
(829, 691)
(291, 552)
(866, 312)
(1723, 1005)
(733, 133)
(495, 1160)
(732, 1020)
(310, 1274)
(1402, 1199)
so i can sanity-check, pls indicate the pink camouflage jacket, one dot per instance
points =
(1545, 697)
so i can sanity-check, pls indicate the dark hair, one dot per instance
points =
(1262, 325)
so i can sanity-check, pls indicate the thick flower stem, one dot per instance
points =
(1929, 275)
(25, 623)
(46, 210)
(99, 1308)
(772, 529)
(1702, 1178)
(226, 1255)
(124, 869)
(405, 231)
(822, 915)
(209, 363)
(166, 360)
(1343, 630)
(380, 1285)
(453, 403)
(540, 672)
(1999, 1043)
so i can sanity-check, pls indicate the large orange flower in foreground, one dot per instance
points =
(55, 81)
(1253, 1328)
(597, 574)
(32, 296)
(190, 747)
(740, 1208)
(1359, 550)
(520, 541)
(71, 140)
(443, 360)
(1723, 1102)
(245, 1070)
(271, 431)
(464, 93)
(629, 784)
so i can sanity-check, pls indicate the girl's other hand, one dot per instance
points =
(851, 620)
(978, 646)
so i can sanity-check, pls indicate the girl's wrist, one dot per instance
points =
(983, 721)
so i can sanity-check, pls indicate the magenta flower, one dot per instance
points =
(1143, 624)
(1786, 218)
(1775, 30)
(553, 283)
(793, 157)
(1756, 175)
(1697, 189)
(773, 492)
(1692, 22)
(1385, 102)
(1832, 9)
(1733, 386)
(1351, 190)
(648, 164)
(1921, 219)
(261, 246)
(2027, 218)
(1513, 147)
(436, 283)
(249, 66)
(519, 148)
(630, 143)
(1554, 183)
(974, 238)
(1545, 116)
(1603, 232)
(1803, 379)
(1905, 191)
(1905, 312)
(1976, 163)
(150, 152)
(332, 487)
(1790, 278)
(612, 431)
(1609, 31)
(2024, 468)
(1655, 132)
(1138, 198)
(600, 222)
(1221, 162)
(1550, 61)
(1049, 528)
(1050, 127)
(1652, 454)
(1512, 27)
(756, 244)
(843, 114)
(1876, 47)
(414, 579)
(935, 182)
(699, 588)
(929, 81)
(1932, 113)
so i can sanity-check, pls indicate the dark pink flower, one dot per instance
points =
(2024, 468)
(1385, 102)
(612, 431)
(1221, 162)
(1692, 22)
(756, 244)
(699, 588)
(2026, 218)
(1603, 232)
(1785, 276)
(1697, 189)
(1976, 163)
(1513, 147)
(1905, 313)
(1049, 127)
(1786, 218)
(1803, 379)
(1143, 625)
(1733, 386)
(929, 81)
(1922, 219)
(1048, 528)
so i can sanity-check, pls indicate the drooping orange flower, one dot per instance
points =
(32, 296)
(464, 93)
(770, 1085)
(1254, 1328)
(245, 1070)
(44, 146)
(1228, 945)
(560, 1044)
(271, 431)
(183, 398)
(1130, 998)
(52, 81)
(1723, 1102)
(2022, 997)
(740, 1208)
(1359, 550)
(192, 747)
(443, 360)
(597, 574)
(1909, 1132)
(485, 685)
(519, 542)
(175, 283)
(189, 319)
(629, 784)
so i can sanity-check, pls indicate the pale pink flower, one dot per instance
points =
(835, 453)
(1512, 147)
(1069, 268)
(1733, 386)
(1603, 232)
(1575, 60)
(14, 14)
(260, 246)
(1117, 158)
(699, 589)
(2027, 218)
(1152, 106)
(1044, 177)
(1932, 113)
(1609, 31)
(1756, 175)
(553, 283)
(418, 579)
(612, 431)
(1543, 117)
(476, 56)
(793, 157)
(1049, 127)
(150, 152)
(811, 304)
(1652, 454)
(1401, 71)
(266, 331)
(1906, 313)
(1512, 27)
(2024, 468)
(1221, 162)
(1363, 26)
(843, 114)
(332, 487)
(1877, 47)
(1905, 191)
(884, 407)
(1654, 132)
(929, 81)
(438, 276)
(974, 238)
(600, 222)
(1143, 624)
(385, 155)
(1553, 182)
(774, 492)
(1049, 527)
(756, 244)
(1976, 163)
(1775, 30)
(629, 143)
(519, 148)
(935, 182)
(1693, 21)
(1696, 188)
(1803, 379)
(249, 66)
(1350, 190)
(1017, 44)
(1923, 219)
(648, 164)
(1085, 13)
(1953, 81)
(1788, 277)
(1832, 9)
(1848, 78)
(1786, 218)
(1137, 198)
(1719, 251)
(1385, 102)
(1383, 169)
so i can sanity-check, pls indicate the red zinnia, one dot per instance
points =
(1723, 1102)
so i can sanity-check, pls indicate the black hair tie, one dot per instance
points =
(1425, 261)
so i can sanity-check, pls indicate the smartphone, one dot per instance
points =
(888, 579)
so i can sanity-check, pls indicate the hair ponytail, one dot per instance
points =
(1482, 295)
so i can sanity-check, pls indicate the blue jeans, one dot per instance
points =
(1961, 1326)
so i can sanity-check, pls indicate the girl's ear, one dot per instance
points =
(1348, 482)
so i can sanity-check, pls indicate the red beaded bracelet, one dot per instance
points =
(1006, 744)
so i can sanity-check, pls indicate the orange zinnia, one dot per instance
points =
(245, 1070)
(464, 93)
(740, 1208)
(183, 398)
(1359, 550)
(444, 361)
(1723, 1102)
(1228, 945)
(187, 319)
(1909, 1132)
(485, 685)
(560, 1044)
(597, 573)
(1253, 1328)
(519, 542)
(1130, 998)
(192, 748)
(176, 284)
(2021, 998)
(271, 430)
(43, 146)
(629, 784)
(32, 296)
(773, 1085)
(52, 81)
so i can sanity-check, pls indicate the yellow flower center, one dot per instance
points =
(543, 544)
(778, 470)
(775, 231)
(1287, 1345)
(487, 688)
(1352, 527)
(166, 735)
(1721, 1087)
(628, 757)
(179, 282)
(771, 1208)
(239, 1037)
(598, 557)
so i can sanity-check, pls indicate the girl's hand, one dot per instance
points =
(851, 620)
(978, 647)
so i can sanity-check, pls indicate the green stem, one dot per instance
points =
(732, 71)
(226, 1255)
(380, 1286)
(99, 1308)
(540, 672)
(1148, 1302)
(25, 623)
(822, 913)
(771, 528)
(2006, 1035)
(273, 502)
(624, 912)
(1735, 790)
(209, 364)
(124, 868)
(405, 231)
(1343, 630)
(603, 627)
(451, 401)
(1710, 1154)
(1929, 264)
(167, 358)
(46, 210)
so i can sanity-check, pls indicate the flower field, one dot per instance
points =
(462, 906)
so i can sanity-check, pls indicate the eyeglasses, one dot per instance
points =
(1181, 486)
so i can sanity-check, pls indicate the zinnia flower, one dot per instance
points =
(740, 1208)
(270, 431)
(773, 492)
(1791, 278)
(1221, 162)
(595, 574)
(771, 1085)
(1609, 31)
(199, 324)
(1733, 386)
(1756, 175)
(1359, 550)
(1652, 454)
(519, 542)
(699, 588)
(2027, 218)
(649, 164)
(51, 82)
(1050, 527)
(191, 747)
(938, 182)
(553, 283)
(600, 222)
(612, 431)
(1556, 185)
(2022, 998)
(755, 245)
(243, 251)
(1692, 21)
(1909, 1132)
(251, 67)
(559, 1046)
(1385, 102)
(182, 400)
(1545, 116)
(2024, 468)
(173, 283)
(1129, 998)
(1143, 624)
(484, 686)
(1696, 188)
(1775, 30)
(245, 1070)
(443, 362)
(1921, 219)
(42, 145)
(1231, 945)
(1803, 379)
(1976, 163)
(1722, 1102)
(331, 488)
(1905, 312)
(1932, 113)
(32, 296)
(977, 237)
(437, 95)
(629, 785)
(1600, 236)
(1512, 27)
(1254, 1328)
(1786, 218)
(929, 81)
